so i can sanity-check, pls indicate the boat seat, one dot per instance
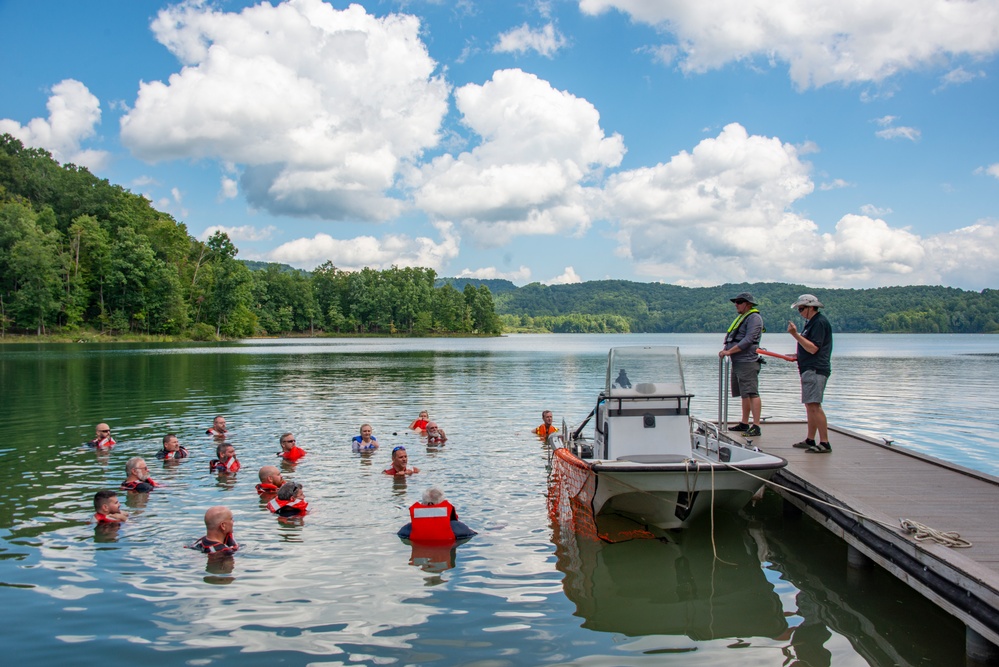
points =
(653, 458)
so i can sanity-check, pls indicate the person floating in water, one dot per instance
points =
(622, 380)
(171, 449)
(270, 481)
(420, 423)
(107, 508)
(103, 439)
(435, 434)
(290, 451)
(218, 538)
(218, 428)
(400, 463)
(138, 479)
(434, 520)
(365, 441)
(226, 461)
(546, 428)
(290, 500)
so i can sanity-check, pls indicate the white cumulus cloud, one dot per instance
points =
(822, 42)
(74, 113)
(835, 184)
(725, 212)
(321, 108)
(520, 275)
(240, 232)
(539, 147)
(899, 132)
(368, 251)
(568, 277)
(727, 200)
(546, 40)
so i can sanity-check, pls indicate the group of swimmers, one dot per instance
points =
(284, 498)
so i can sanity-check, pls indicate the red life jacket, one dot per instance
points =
(132, 486)
(164, 455)
(212, 431)
(293, 454)
(432, 523)
(288, 507)
(229, 465)
(266, 489)
(207, 546)
(102, 518)
(102, 443)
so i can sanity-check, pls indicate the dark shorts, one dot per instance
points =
(813, 386)
(746, 379)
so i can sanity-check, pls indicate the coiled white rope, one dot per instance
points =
(922, 533)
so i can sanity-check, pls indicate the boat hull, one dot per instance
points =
(672, 497)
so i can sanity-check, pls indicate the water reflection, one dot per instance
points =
(704, 585)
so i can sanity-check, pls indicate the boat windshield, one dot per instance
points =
(644, 371)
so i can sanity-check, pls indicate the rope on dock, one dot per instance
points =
(919, 532)
(922, 533)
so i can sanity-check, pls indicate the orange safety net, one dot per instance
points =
(571, 485)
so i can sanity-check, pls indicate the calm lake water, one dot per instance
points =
(339, 587)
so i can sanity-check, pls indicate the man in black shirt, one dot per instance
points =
(815, 342)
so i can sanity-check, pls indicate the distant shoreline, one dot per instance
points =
(94, 337)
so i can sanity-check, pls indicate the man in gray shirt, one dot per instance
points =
(741, 342)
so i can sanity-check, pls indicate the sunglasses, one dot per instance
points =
(802, 308)
(739, 302)
(396, 449)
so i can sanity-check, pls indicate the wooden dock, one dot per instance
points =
(871, 486)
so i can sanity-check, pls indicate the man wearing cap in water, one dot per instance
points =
(814, 357)
(741, 342)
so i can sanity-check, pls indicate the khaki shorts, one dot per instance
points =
(746, 379)
(813, 386)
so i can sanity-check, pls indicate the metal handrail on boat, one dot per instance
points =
(724, 372)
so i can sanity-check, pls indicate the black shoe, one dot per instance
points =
(753, 432)
(821, 448)
(807, 443)
(740, 427)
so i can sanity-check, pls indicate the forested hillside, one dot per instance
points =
(78, 253)
(620, 306)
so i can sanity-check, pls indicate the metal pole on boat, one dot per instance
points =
(724, 368)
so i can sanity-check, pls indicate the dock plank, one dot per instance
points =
(878, 484)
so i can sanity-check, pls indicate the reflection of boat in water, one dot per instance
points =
(651, 587)
(648, 459)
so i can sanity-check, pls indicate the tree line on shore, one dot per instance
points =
(619, 306)
(78, 253)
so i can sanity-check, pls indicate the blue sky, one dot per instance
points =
(835, 144)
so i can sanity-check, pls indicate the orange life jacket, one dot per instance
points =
(432, 523)
(545, 430)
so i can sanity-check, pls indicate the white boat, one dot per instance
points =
(647, 459)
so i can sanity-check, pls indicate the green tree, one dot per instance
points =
(34, 264)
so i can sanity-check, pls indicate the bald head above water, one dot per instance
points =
(216, 516)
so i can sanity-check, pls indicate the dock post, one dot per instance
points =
(856, 559)
(857, 565)
(980, 652)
